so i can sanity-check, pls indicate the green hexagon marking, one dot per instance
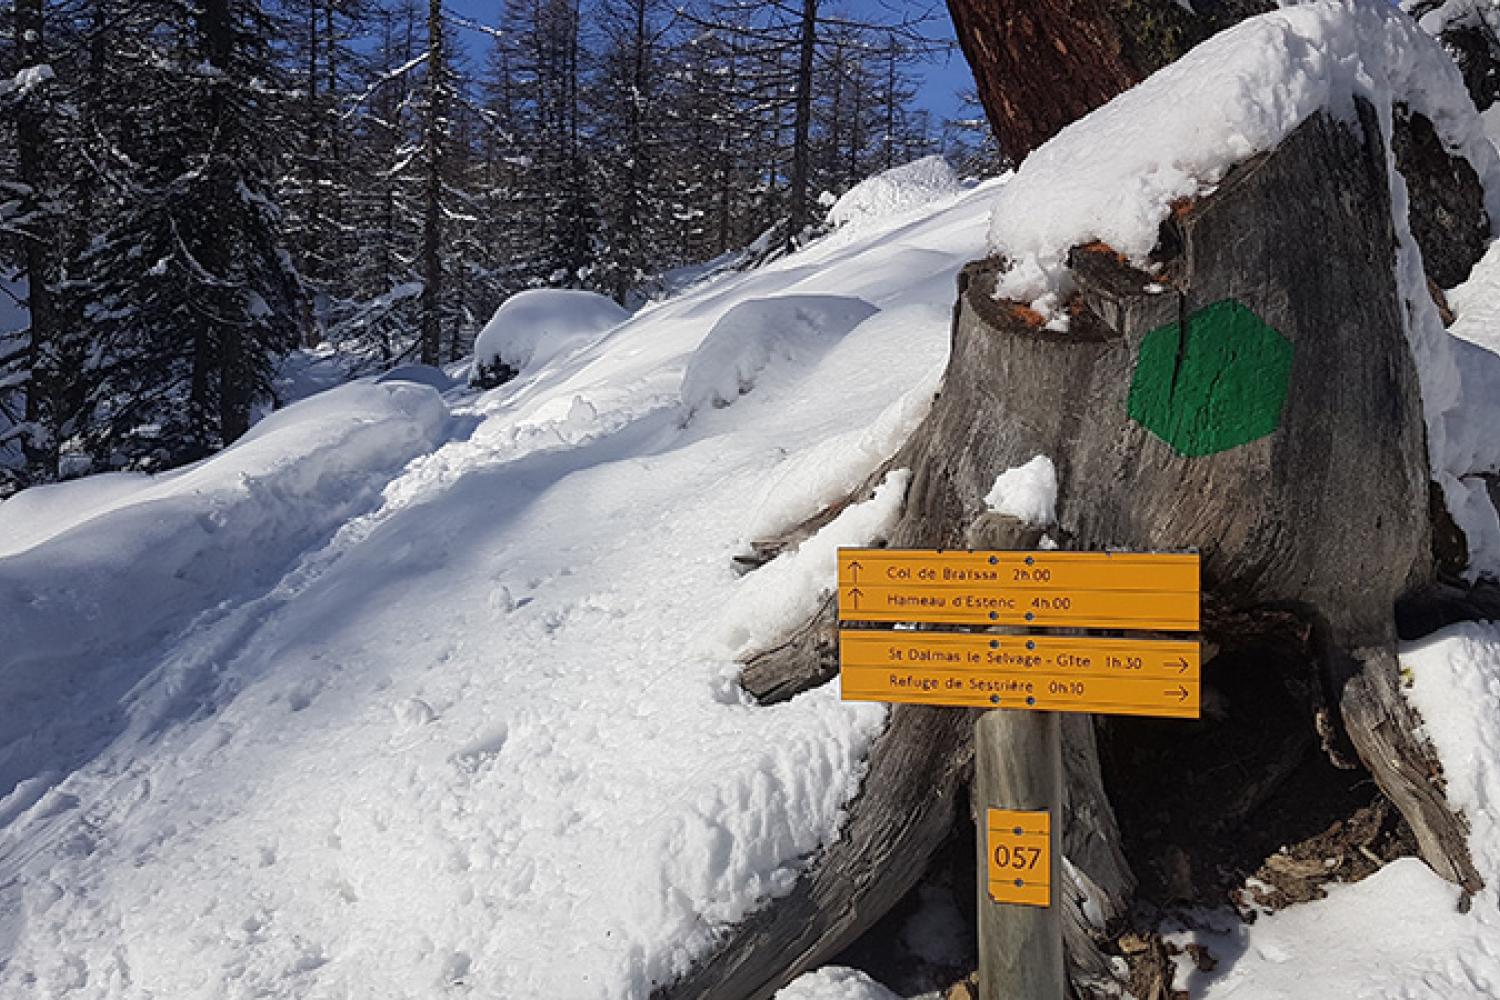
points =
(1222, 385)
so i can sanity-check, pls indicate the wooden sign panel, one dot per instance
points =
(1118, 590)
(1043, 673)
(1019, 846)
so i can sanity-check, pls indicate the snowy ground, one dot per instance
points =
(393, 701)
(416, 693)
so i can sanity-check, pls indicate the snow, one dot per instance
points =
(1401, 933)
(754, 335)
(897, 191)
(1238, 94)
(835, 983)
(1472, 448)
(1027, 492)
(401, 698)
(533, 327)
(27, 79)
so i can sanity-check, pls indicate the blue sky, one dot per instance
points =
(940, 78)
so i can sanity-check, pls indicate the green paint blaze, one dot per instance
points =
(1222, 385)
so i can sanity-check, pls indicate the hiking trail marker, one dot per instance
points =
(1044, 673)
(1049, 589)
(1003, 660)
(1019, 846)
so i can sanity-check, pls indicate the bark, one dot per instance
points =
(433, 138)
(1040, 64)
(1320, 517)
(807, 41)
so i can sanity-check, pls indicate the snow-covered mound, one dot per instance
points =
(535, 326)
(465, 731)
(755, 334)
(896, 191)
(836, 983)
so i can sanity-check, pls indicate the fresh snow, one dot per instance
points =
(753, 335)
(393, 701)
(1401, 933)
(535, 326)
(1028, 492)
(904, 189)
(835, 983)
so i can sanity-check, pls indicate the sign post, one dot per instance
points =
(1002, 659)
(1018, 762)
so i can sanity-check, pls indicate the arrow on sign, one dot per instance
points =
(854, 595)
(854, 569)
(1180, 691)
(1181, 664)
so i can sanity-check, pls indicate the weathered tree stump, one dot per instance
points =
(1255, 399)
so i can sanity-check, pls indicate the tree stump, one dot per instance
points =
(1255, 400)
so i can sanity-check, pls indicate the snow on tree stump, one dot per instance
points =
(1255, 399)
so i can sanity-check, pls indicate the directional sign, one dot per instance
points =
(1044, 673)
(1019, 846)
(1121, 590)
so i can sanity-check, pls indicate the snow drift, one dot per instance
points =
(535, 326)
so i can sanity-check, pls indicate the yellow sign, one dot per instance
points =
(1120, 590)
(1043, 673)
(1019, 846)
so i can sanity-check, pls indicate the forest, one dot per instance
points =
(191, 191)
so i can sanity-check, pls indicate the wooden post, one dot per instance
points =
(1018, 765)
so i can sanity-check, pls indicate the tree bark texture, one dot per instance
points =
(1040, 64)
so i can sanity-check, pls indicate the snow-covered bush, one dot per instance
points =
(532, 327)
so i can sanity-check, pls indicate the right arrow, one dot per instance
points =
(1182, 664)
(1181, 692)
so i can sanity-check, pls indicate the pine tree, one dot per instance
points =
(188, 295)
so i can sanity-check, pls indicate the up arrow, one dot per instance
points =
(854, 569)
(854, 595)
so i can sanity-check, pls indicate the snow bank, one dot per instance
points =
(1238, 94)
(477, 742)
(183, 540)
(835, 982)
(834, 468)
(1027, 492)
(895, 192)
(1472, 449)
(754, 335)
(785, 592)
(1400, 932)
(533, 327)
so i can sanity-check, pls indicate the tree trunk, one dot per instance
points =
(433, 138)
(1040, 64)
(799, 214)
(1256, 401)
(40, 442)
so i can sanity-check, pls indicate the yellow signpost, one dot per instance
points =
(981, 668)
(1019, 846)
(1114, 590)
(1157, 677)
